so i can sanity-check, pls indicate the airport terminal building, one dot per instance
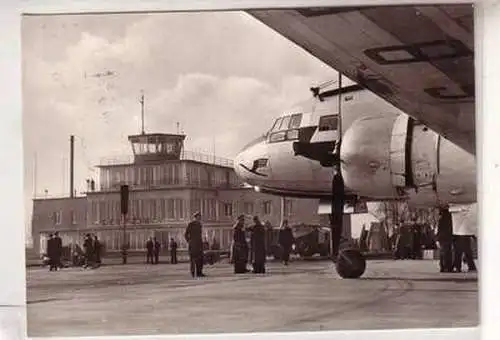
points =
(167, 185)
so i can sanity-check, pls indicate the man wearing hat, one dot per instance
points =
(194, 238)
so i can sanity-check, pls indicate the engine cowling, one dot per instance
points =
(393, 157)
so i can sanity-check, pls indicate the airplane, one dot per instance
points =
(402, 128)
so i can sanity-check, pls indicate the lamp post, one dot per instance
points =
(124, 211)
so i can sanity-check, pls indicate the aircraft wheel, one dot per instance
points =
(350, 264)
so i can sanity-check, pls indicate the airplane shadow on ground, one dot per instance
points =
(422, 279)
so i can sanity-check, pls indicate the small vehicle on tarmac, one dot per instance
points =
(310, 240)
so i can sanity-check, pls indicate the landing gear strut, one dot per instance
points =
(349, 262)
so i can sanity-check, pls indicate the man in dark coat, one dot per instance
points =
(240, 247)
(97, 251)
(88, 246)
(445, 239)
(194, 238)
(156, 250)
(258, 244)
(58, 250)
(149, 250)
(173, 251)
(462, 251)
(51, 253)
(286, 241)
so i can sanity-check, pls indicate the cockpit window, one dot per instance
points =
(276, 125)
(328, 123)
(284, 123)
(292, 134)
(295, 121)
(277, 137)
(285, 128)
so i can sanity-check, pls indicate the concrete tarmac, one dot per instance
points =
(305, 296)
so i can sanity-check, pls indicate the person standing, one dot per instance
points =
(286, 241)
(89, 251)
(258, 244)
(463, 223)
(156, 250)
(149, 250)
(240, 247)
(173, 251)
(51, 253)
(58, 250)
(97, 251)
(194, 238)
(445, 240)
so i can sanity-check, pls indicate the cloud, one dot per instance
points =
(222, 76)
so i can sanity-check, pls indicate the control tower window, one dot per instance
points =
(328, 123)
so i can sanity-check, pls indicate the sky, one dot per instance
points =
(223, 76)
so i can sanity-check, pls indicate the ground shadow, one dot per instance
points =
(422, 279)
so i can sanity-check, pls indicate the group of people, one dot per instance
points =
(92, 251)
(255, 252)
(453, 249)
(241, 250)
(153, 247)
(89, 258)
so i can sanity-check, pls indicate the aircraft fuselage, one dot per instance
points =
(385, 155)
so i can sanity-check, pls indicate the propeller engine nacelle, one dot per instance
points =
(394, 157)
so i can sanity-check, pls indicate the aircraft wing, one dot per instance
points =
(418, 58)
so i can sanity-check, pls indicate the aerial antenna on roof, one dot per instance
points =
(142, 111)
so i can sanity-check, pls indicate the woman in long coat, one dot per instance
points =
(240, 247)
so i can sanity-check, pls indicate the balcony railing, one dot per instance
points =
(185, 155)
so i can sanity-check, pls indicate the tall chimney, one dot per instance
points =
(71, 166)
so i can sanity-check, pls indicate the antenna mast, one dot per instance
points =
(35, 175)
(142, 111)
(340, 114)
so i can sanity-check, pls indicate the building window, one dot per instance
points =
(73, 217)
(266, 208)
(228, 209)
(170, 209)
(179, 209)
(287, 208)
(57, 217)
(248, 208)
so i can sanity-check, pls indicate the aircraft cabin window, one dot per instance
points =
(295, 121)
(328, 123)
(277, 137)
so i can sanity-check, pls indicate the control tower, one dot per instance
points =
(156, 147)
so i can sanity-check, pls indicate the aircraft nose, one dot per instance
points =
(238, 161)
(252, 164)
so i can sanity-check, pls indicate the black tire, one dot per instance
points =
(350, 264)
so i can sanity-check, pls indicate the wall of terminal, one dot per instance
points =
(163, 213)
